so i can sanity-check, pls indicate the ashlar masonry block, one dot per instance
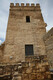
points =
(25, 27)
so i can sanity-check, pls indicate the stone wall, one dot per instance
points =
(20, 33)
(14, 64)
(34, 68)
(48, 39)
(1, 52)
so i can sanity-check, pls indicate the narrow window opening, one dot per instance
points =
(29, 50)
(27, 18)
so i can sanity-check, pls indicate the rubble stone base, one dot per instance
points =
(34, 68)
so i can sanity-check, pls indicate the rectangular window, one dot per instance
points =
(27, 18)
(29, 50)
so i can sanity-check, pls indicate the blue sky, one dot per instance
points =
(46, 6)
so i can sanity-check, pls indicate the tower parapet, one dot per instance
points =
(25, 7)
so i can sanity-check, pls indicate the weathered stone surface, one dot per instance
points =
(26, 70)
(48, 39)
(0, 55)
(49, 34)
(15, 64)
(1, 51)
(21, 33)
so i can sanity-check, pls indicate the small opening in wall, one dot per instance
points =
(29, 50)
(27, 18)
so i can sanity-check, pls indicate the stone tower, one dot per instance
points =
(25, 31)
(22, 56)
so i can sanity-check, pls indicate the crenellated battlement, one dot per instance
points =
(22, 4)
(32, 6)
